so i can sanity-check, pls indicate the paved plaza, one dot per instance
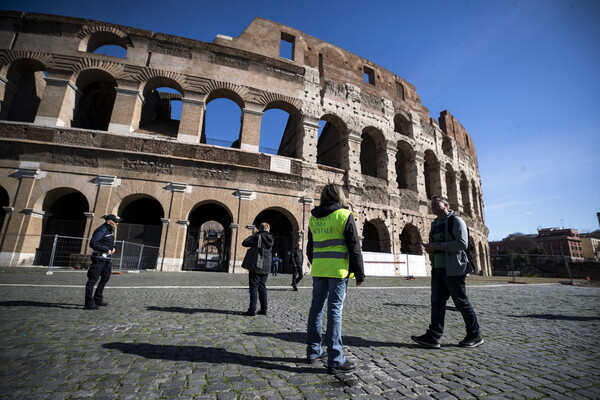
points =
(181, 336)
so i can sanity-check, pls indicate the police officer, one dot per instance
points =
(334, 250)
(103, 244)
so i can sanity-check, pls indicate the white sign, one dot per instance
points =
(281, 165)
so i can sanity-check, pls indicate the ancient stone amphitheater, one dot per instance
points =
(99, 118)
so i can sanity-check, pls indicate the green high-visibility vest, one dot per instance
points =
(330, 254)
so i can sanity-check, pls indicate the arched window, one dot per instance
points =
(23, 91)
(161, 111)
(373, 153)
(410, 240)
(280, 131)
(451, 188)
(406, 168)
(464, 192)
(329, 146)
(402, 125)
(223, 119)
(106, 42)
(95, 99)
(431, 170)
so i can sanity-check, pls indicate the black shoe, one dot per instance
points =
(249, 314)
(94, 307)
(346, 367)
(262, 312)
(426, 341)
(102, 304)
(295, 289)
(314, 360)
(471, 341)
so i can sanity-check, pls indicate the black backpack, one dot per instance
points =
(470, 251)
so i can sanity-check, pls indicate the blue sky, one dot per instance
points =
(523, 77)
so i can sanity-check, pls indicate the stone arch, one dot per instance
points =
(464, 192)
(406, 167)
(373, 153)
(63, 226)
(376, 237)
(447, 147)
(208, 240)
(452, 190)
(160, 92)
(141, 220)
(23, 90)
(329, 144)
(402, 125)
(411, 241)
(94, 36)
(431, 170)
(283, 228)
(288, 133)
(228, 117)
(94, 100)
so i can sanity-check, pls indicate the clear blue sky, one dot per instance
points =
(523, 77)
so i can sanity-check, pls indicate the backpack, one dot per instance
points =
(470, 251)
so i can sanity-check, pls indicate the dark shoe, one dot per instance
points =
(262, 312)
(94, 307)
(295, 289)
(314, 360)
(249, 314)
(471, 342)
(102, 304)
(346, 367)
(426, 341)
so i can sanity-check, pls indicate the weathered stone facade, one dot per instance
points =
(93, 127)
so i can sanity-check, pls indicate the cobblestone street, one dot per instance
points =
(181, 336)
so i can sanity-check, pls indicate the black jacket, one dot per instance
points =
(350, 236)
(267, 242)
(102, 241)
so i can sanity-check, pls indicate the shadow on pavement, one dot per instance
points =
(25, 303)
(212, 355)
(300, 337)
(185, 310)
(449, 308)
(557, 317)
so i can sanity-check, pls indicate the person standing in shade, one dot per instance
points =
(259, 271)
(333, 248)
(450, 268)
(296, 260)
(103, 244)
(275, 264)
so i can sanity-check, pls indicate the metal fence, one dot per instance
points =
(535, 265)
(56, 252)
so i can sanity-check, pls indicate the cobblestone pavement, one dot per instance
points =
(180, 336)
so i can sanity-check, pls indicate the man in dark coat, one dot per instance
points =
(296, 260)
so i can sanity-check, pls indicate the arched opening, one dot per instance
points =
(447, 147)
(208, 241)
(431, 170)
(372, 153)
(280, 130)
(63, 227)
(4, 202)
(222, 124)
(406, 169)
(161, 111)
(283, 232)
(95, 100)
(23, 90)
(141, 225)
(329, 145)
(451, 187)
(375, 237)
(402, 125)
(106, 43)
(410, 240)
(111, 50)
(464, 192)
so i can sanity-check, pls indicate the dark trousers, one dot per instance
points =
(98, 270)
(442, 288)
(258, 290)
(296, 276)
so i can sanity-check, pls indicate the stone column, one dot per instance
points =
(390, 174)
(173, 239)
(127, 110)
(161, 247)
(238, 250)
(351, 157)
(23, 229)
(420, 176)
(7, 93)
(192, 118)
(307, 145)
(58, 101)
(102, 206)
(85, 243)
(250, 135)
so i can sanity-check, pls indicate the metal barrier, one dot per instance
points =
(537, 265)
(62, 252)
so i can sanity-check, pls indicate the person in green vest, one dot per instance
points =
(333, 249)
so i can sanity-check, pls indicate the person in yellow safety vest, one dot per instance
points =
(334, 251)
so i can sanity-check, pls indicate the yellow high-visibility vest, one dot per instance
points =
(330, 253)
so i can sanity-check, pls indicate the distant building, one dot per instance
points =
(560, 242)
(590, 245)
(514, 243)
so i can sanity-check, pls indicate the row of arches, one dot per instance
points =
(210, 239)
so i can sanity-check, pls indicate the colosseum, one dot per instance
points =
(98, 118)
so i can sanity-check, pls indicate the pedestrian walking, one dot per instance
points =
(103, 244)
(333, 248)
(275, 264)
(296, 260)
(450, 266)
(258, 263)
